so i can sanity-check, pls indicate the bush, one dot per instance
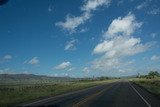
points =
(153, 74)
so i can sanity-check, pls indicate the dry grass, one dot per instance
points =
(15, 94)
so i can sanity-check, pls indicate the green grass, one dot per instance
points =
(152, 85)
(14, 94)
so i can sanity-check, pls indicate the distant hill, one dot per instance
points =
(31, 78)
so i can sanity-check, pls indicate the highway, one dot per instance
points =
(117, 94)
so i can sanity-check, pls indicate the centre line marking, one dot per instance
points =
(92, 96)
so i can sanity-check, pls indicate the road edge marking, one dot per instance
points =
(140, 95)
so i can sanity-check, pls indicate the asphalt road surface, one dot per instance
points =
(117, 94)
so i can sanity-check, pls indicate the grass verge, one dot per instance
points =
(152, 85)
(15, 94)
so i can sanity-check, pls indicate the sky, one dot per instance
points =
(80, 38)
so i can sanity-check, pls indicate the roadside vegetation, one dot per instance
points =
(12, 94)
(151, 82)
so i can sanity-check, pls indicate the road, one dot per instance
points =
(117, 94)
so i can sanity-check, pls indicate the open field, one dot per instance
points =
(19, 93)
(152, 85)
(120, 93)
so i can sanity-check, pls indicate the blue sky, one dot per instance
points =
(80, 38)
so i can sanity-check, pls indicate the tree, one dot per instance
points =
(153, 74)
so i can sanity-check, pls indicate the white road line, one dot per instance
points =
(140, 95)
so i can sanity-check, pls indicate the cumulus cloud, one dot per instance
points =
(71, 45)
(72, 22)
(33, 61)
(155, 58)
(63, 65)
(91, 5)
(122, 26)
(105, 64)
(119, 43)
(120, 46)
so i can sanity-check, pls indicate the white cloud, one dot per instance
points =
(7, 57)
(155, 58)
(153, 35)
(33, 61)
(71, 45)
(71, 23)
(25, 72)
(65, 74)
(122, 26)
(63, 65)
(71, 69)
(60, 75)
(120, 2)
(86, 70)
(83, 30)
(119, 43)
(105, 64)
(126, 70)
(109, 64)
(121, 71)
(91, 5)
(54, 75)
(142, 5)
(120, 46)
(6, 71)
(154, 11)
(50, 8)
(149, 7)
